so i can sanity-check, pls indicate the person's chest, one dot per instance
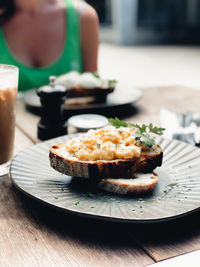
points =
(37, 41)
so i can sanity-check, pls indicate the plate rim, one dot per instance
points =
(138, 96)
(103, 217)
(92, 215)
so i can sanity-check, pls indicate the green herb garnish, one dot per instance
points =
(88, 194)
(99, 145)
(118, 123)
(76, 203)
(96, 75)
(144, 139)
(142, 134)
(155, 129)
(112, 83)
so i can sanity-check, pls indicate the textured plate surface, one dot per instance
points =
(116, 99)
(176, 194)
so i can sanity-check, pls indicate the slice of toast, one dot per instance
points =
(141, 183)
(65, 163)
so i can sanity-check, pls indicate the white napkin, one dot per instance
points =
(190, 259)
(184, 127)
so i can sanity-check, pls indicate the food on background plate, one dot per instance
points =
(86, 85)
(112, 156)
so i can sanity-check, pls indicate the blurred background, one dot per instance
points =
(154, 42)
(129, 22)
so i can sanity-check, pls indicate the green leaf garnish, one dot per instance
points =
(142, 128)
(88, 194)
(142, 135)
(96, 75)
(155, 129)
(118, 123)
(147, 141)
(144, 139)
(112, 83)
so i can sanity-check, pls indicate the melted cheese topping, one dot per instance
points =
(107, 143)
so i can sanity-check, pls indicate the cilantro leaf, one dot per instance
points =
(155, 129)
(142, 134)
(117, 122)
(142, 129)
(96, 75)
(144, 139)
(147, 141)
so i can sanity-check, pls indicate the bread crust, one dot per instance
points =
(92, 169)
(101, 168)
(99, 95)
(84, 92)
(148, 161)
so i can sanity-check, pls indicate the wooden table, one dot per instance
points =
(33, 235)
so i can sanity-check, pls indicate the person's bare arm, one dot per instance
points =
(89, 38)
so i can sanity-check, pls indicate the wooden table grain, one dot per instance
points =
(34, 235)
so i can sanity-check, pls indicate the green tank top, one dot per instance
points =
(70, 58)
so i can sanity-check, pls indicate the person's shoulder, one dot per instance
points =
(87, 12)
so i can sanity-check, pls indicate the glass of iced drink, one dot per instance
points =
(8, 94)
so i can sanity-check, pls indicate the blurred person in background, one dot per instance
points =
(48, 37)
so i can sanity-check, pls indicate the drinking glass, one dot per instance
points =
(8, 94)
